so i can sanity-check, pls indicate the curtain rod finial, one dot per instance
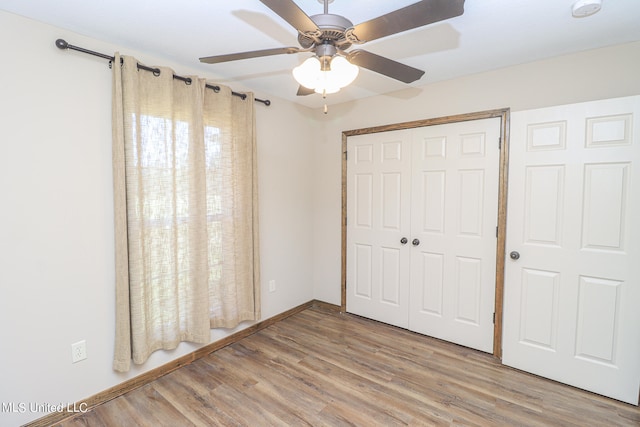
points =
(62, 44)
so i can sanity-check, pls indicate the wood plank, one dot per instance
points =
(148, 377)
(322, 367)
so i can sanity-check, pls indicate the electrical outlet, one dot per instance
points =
(78, 351)
(272, 285)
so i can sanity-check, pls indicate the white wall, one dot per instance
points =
(56, 221)
(597, 74)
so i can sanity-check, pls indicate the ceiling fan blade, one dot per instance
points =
(290, 12)
(385, 66)
(409, 17)
(303, 91)
(246, 55)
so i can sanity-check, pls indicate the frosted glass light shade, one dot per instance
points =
(310, 75)
(308, 72)
(342, 73)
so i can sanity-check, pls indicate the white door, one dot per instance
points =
(436, 187)
(378, 217)
(454, 216)
(572, 298)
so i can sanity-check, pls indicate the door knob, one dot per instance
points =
(514, 255)
(404, 240)
(415, 242)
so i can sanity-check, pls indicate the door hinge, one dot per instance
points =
(494, 317)
(346, 155)
(496, 231)
(499, 143)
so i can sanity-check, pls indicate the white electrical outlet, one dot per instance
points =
(272, 285)
(78, 351)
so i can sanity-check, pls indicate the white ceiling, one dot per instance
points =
(490, 34)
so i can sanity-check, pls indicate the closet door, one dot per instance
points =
(378, 218)
(421, 229)
(454, 216)
(572, 289)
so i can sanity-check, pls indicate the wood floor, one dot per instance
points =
(323, 368)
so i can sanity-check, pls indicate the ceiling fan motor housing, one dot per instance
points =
(332, 29)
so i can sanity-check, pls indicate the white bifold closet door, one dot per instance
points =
(422, 209)
(572, 286)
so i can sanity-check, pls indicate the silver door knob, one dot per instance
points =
(514, 255)
(415, 242)
(404, 240)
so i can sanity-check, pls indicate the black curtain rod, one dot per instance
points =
(62, 44)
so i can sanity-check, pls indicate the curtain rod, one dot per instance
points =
(62, 44)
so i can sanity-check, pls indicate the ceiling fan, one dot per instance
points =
(329, 36)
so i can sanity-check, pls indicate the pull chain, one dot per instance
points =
(324, 96)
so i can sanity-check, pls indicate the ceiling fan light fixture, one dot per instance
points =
(329, 36)
(310, 74)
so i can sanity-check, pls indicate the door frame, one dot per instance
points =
(503, 114)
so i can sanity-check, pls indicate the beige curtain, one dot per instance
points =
(185, 188)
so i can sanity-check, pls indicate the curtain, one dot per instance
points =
(185, 196)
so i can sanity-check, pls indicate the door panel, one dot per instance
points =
(598, 306)
(544, 197)
(433, 284)
(467, 290)
(455, 190)
(378, 217)
(605, 194)
(362, 271)
(434, 196)
(539, 308)
(571, 299)
(471, 194)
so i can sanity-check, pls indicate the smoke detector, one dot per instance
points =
(583, 8)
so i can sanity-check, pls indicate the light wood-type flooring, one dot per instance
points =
(323, 368)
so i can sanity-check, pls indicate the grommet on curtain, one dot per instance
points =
(186, 80)
(155, 71)
(242, 96)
